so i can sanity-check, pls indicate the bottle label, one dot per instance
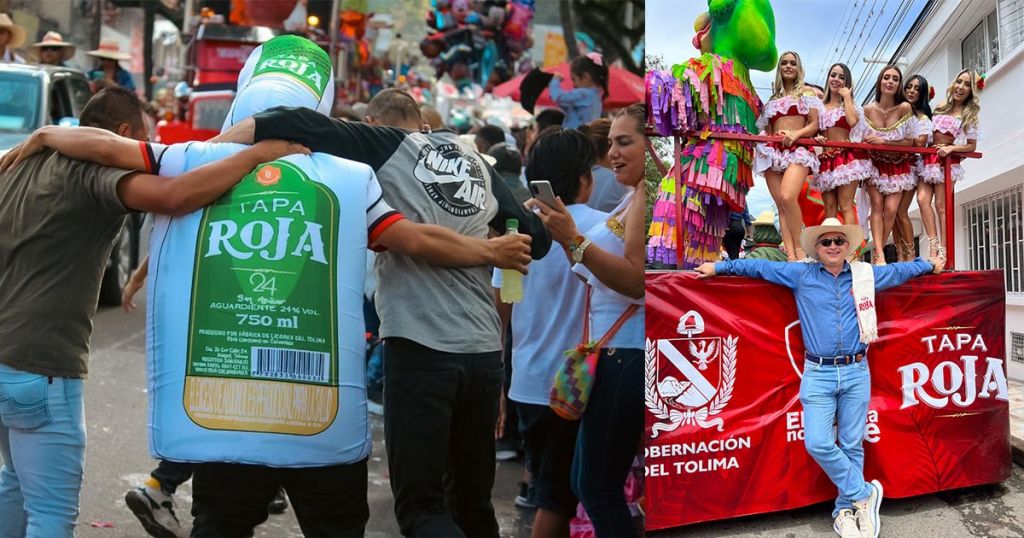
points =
(297, 58)
(262, 349)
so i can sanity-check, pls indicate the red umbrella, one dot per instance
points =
(624, 88)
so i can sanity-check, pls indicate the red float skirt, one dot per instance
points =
(931, 168)
(842, 166)
(894, 172)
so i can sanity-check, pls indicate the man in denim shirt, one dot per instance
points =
(836, 383)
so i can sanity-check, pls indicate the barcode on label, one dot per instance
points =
(290, 364)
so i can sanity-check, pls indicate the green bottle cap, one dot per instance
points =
(511, 223)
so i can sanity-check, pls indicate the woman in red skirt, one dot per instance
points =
(890, 121)
(841, 169)
(954, 130)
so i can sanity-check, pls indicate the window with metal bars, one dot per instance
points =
(1017, 347)
(995, 236)
(980, 49)
(1011, 25)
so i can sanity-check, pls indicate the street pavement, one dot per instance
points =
(992, 511)
(117, 457)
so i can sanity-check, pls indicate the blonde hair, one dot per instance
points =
(778, 88)
(971, 106)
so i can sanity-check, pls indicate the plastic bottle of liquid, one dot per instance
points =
(511, 280)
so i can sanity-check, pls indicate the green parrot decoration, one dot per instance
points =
(742, 30)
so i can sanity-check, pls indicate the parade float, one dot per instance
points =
(724, 357)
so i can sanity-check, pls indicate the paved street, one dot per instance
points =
(994, 511)
(118, 457)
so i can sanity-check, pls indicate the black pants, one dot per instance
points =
(610, 433)
(550, 444)
(439, 415)
(171, 474)
(229, 500)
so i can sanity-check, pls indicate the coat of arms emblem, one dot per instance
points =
(689, 380)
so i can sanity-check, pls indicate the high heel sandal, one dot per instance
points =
(907, 252)
(877, 260)
(940, 251)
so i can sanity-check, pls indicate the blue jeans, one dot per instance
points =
(42, 429)
(837, 395)
(609, 436)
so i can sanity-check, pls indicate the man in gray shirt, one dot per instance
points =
(442, 352)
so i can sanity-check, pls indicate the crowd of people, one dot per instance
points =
(51, 49)
(899, 115)
(440, 316)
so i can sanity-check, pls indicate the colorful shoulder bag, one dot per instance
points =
(575, 379)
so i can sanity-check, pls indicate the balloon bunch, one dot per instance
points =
(478, 41)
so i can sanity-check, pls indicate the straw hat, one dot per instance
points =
(810, 235)
(54, 39)
(766, 218)
(18, 33)
(110, 50)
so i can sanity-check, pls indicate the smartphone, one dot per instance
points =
(542, 191)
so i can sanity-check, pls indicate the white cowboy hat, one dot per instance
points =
(54, 39)
(810, 235)
(18, 34)
(766, 217)
(110, 50)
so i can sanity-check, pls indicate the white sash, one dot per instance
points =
(863, 290)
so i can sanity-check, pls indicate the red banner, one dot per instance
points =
(724, 421)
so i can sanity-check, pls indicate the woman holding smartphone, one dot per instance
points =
(610, 257)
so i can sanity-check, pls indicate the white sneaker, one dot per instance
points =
(155, 511)
(845, 524)
(867, 511)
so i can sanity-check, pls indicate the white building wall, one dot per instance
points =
(935, 53)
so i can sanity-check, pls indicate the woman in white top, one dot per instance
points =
(916, 90)
(891, 121)
(841, 169)
(954, 130)
(792, 113)
(611, 258)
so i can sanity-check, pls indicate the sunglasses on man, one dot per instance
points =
(827, 242)
(51, 49)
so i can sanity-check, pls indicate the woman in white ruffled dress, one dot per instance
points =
(954, 130)
(917, 91)
(841, 169)
(890, 120)
(792, 113)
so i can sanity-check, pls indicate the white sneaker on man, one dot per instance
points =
(867, 511)
(155, 511)
(845, 524)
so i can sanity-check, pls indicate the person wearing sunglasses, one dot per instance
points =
(835, 302)
(53, 50)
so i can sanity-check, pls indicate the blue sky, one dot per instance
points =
(813, 28)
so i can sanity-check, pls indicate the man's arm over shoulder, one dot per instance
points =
(781, 273)
(355, 141)
(389, 230)
(443, 247)
(201, 186)
(894, 274)
(88, 144)
(509, 207)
